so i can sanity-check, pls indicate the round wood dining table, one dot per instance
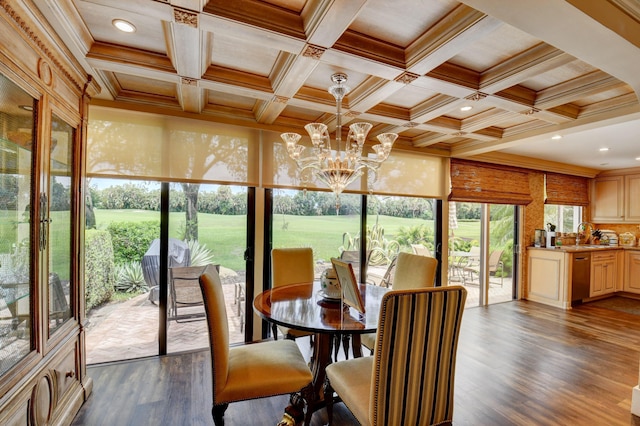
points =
(306, 307)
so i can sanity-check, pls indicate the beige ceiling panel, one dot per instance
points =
(401, 24)
(134, 83)
(149, 34)
(233, 53)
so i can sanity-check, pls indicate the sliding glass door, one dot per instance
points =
(207, 225)
(481, 251)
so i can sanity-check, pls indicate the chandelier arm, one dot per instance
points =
(338, 169)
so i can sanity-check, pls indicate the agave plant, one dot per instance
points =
(200, 254)
(130, 278)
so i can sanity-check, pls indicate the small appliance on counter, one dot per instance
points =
(539, 238)
(627, 239)
(551, 235)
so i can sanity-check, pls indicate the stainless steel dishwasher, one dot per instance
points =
(580, 277)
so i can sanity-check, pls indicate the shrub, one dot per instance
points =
(200, 254)
(131, 240)
(130, 278)
(99, 268)
(383, 251)
(418, 234)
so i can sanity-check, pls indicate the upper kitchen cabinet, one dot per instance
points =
(607, 199)
(632, 198)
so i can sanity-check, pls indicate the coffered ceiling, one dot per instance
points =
(528, 70)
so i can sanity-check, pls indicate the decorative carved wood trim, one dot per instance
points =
(39, 44)
(44, 72)
(181, 16)
(187, 81)
(406, 77)
(313, 52)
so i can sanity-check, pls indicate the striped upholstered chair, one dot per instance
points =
(411, 271)
(409, 379)
(249, 371)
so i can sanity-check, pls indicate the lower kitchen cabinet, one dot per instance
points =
(603, 273)
(632, 271)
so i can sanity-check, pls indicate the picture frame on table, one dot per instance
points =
(348, 283)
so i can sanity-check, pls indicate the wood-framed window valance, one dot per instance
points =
(477, 182)
(566, 189)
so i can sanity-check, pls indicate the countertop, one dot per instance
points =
(585, 247)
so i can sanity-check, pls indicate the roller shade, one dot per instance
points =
(566, 189)
(404, 173)
(150, 146)
(477, 182)
(147, 146)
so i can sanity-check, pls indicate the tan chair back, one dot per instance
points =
(216, 313)
(414, 271)
(415, 357)
(291, 266)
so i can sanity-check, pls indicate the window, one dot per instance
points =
(565, 218)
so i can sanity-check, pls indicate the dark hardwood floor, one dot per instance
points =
(519, 363)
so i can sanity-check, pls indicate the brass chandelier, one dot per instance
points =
(338, 168)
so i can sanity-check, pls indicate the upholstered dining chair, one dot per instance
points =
(251, 371)
(291, 266)
(410, 378)
(412, 271)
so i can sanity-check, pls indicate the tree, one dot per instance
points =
(191, 210)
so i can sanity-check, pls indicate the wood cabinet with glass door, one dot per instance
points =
(43, 99)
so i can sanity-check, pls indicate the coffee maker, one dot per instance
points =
(540, 238)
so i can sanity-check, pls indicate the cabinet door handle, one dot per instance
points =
(70, 374)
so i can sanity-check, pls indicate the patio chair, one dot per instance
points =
(184, 292)
(353, 257)
(409, 380)
(421, 250)
(495, 265)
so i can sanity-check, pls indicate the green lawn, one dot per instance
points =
(226, 235)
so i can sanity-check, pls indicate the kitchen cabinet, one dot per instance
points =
(632, 271)
(632, 198)
(603, 273)
(549, 273)
(607, 199)
(616, 199)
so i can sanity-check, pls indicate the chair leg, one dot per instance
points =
(218, 414)
(328, 399)
(274, 331)
(345, 345)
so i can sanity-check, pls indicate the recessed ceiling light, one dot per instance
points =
(638, 158)
(466, 108)
(604, 149)
(26, 107)
(556, 137)
(123, 25)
